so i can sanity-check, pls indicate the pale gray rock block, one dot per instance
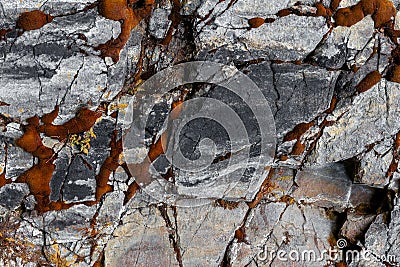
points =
(331, 53)
(159, 22)
(274, 226)
(142, 239)
(301, 228)
(375, 164)
(258, 229)
(18, 161)
(393, 240)
(12, 9)
(361, 33)
(206, 231)
(397, 21)
(65, 230)
(360, 125)
(103, 30)
(45, 66)
(377, 232)
(301, 36)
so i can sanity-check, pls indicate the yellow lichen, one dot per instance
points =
(82, 142)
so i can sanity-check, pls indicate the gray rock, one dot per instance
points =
(375, 164)
(153, 246)
(360, 125)
(206, 231)
(296, 93)
(12, 195)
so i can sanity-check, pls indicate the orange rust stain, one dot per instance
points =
(141, 170)
(3, 33)
(97, 263)
(110, 164)
(50, 117)
(295, 134)
(298, 148)
(175, 18)
(121, 10)
(226, 204)
(264, 189)
(298, 131)
(38, 179)
(39, 175)
(114, 9)
(240, 235)
(369, 81)
(321, 10)
(269, 20)
(395, 161)
(156, 149)
(131, 191)
(31, 142)
(335, 4)
(332, 106)
(397, 142)
(82, 122)
(284, 13)
(256, 22)
(3, 180)
(33, 20)
(381, 11)
(394, 74)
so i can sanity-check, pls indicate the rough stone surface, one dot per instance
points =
(70, 188)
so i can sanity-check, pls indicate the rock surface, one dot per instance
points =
(313, 171)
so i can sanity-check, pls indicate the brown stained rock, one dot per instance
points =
(369, 200)
(382, 12)
(330, 186)
(394, 74)
(321, 10)
(295, 134)
(39, 175)
(3, 179)
(3, 33)
(256, 22)
(114, 9)
(327, 186)
(33, 20)
(119, 10)
(369, 81)
(355, 226)
(83, 121)
(109, 166)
